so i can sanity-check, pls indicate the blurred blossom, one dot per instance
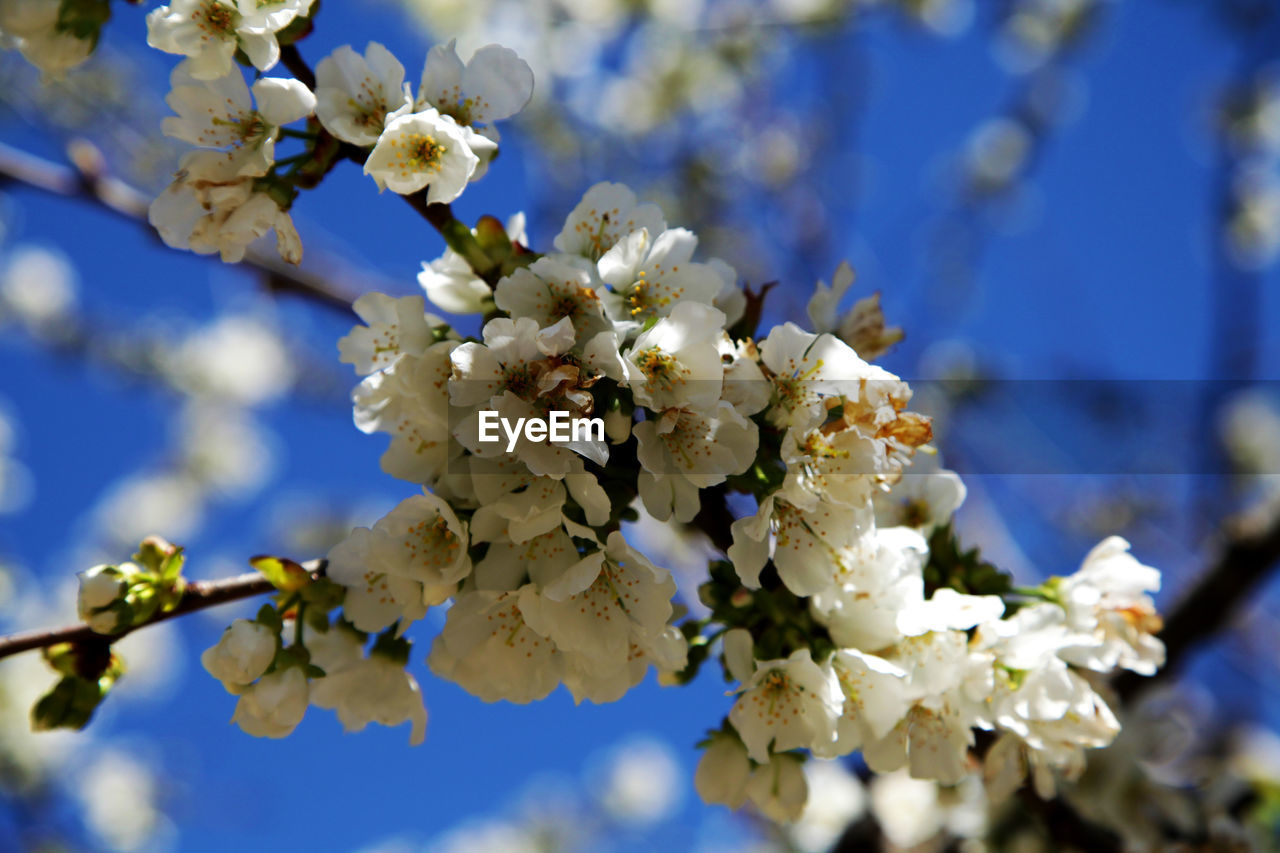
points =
(16, 483)
(225, 449)
(642, 783)
(912, 811)
(119, 797)
(1255, 755)
(1252, 230)
(138, 505)
(490, 837)
(906, 808)
(37, 286)
(836, 799)
(997, 154)
(944, 17)
(1037, 30)
(1249, 424)
(1249, 115)
(238, 357)
(806, 11)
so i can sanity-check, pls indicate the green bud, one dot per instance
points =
(161, 557)
(492, 237)
(284, 574)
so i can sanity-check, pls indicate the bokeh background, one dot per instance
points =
(1072, 207)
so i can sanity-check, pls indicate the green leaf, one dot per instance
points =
(964, 571)
(284, 574)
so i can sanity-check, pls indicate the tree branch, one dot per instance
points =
(290, 58)
(198, 595)
(1252, 550)
(87, 180)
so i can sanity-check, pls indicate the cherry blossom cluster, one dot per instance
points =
(839, 604)
(233, 188)
(827, 610)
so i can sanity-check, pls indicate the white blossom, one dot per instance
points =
(220, 114)
(209, 209)
(599, 608)
(101, 596)
(373, 689)
(209, 32)
(778, 788)
(425, 150)
(487, 648)
(824, 304)
(355, 93)
(551, 288)
(1108, 605)
(924, 498)
(788, 704)
(808, 369)
(744, 384)
(521, 371)
(809, 547)
(493, 85)
(676, 364)
(395, 326)
(949, 610)
(607, 213)
(653, 272)
(410, 401)
(412, 558)
(875, 698)
(701, 448)
(950, 686)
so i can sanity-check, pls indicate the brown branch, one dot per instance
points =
(197, 596)
(290, 58)
(1251, 551)
(87, 180)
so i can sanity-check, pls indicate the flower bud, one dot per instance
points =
(274, 704)
(101, 601)
(779, 789)
(723, 772)
(100, 587)
(242, 655)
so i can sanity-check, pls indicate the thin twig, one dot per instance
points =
(198, 595)
(86, 180)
